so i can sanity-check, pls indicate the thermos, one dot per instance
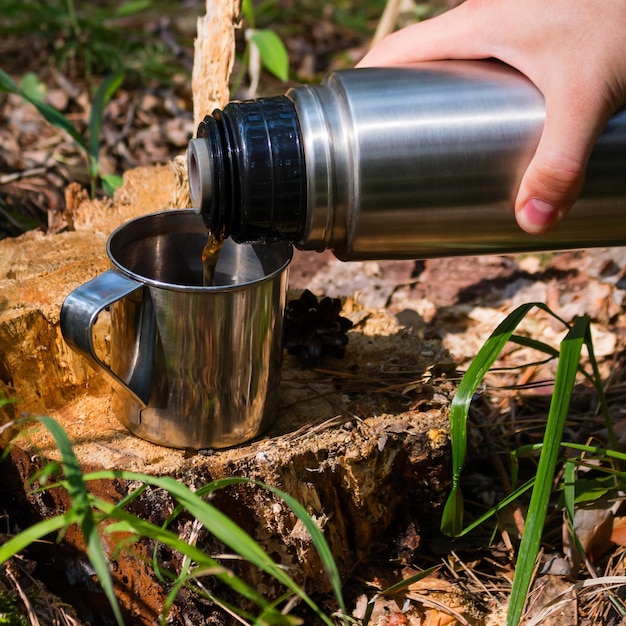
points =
(413, 162)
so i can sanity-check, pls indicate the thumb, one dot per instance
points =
(555, 176)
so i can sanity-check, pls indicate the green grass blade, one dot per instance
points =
(81, 505)
(111, 182)
(596, 379)
(403, 584)
(569, 489)
(453, 510)
(49, 113)
(563, 386)
(186, 582)
(319, 541)
(33, 533)
(224, 529)
(569, 500)
(248, 12)
(7, 84)
(44, 474)
(611, 454)
(130, 523)
(273, 52)
(317, 537)
(31, 86)
(132, 7)
(452, 518)
(526, 450)
(104, 93)
(238, 540)
(514, 495)
(535, 344)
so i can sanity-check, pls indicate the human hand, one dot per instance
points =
(573, 51)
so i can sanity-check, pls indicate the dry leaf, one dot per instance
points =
(430, 583)
(437, 618)
(546, 590)
(618, 532)
(593, 526)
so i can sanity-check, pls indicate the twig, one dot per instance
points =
(167, 37)
(471, 575)
(5, 179)
(32, 616)
(604, 583)
(440, 606)
(387, 20)
(12, 220)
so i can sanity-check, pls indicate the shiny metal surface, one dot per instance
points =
(424, 161)
(192, 366)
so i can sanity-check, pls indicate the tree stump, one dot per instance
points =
(365, 459)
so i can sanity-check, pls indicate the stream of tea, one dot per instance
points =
(210, 256)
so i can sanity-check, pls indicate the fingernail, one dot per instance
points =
(537, 216)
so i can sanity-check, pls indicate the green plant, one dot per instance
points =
(93, 39)
(94, 516)
(29, 90)
(578, 334)
(263, 48)
(9, 614)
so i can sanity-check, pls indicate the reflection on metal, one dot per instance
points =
(192, 366)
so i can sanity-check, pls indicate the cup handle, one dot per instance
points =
(80, 311)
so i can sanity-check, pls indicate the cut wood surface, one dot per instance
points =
(361, 442)
(38, 271)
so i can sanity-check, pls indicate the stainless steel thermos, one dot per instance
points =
(407, 162)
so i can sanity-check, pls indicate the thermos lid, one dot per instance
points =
(247, 172)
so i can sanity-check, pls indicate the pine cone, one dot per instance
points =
(313, 329)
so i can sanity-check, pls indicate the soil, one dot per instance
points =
(448, 305)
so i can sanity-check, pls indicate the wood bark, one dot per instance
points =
(214, 56)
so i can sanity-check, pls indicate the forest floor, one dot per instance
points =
(456, 301)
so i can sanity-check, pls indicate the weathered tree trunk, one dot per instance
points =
(214, 56)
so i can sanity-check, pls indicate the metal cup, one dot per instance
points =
(192, 366)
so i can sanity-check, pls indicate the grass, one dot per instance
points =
(95, 38)
(94, 35)
(9, 611)
(94, 516)
(541, 485)
(89, 145)
(95, 47)
(554, 483)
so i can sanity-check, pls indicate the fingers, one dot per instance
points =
(555, 176)
(571, 51)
